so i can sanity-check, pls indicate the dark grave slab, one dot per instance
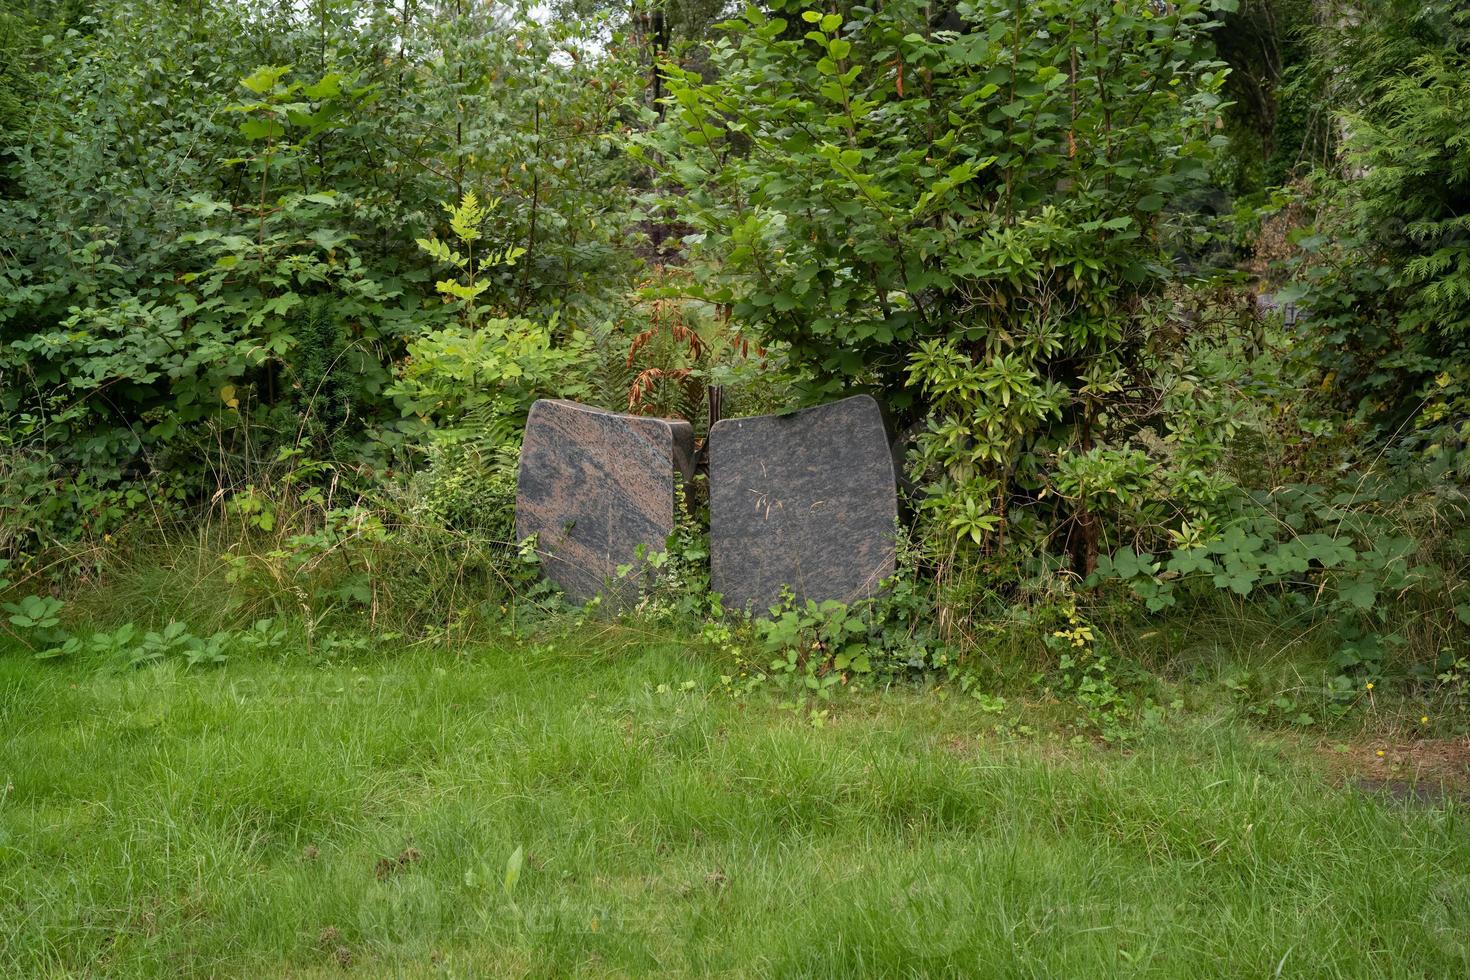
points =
(594, 485)
(806, 500)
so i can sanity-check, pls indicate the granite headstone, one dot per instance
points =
(806, 500)
(593, 485)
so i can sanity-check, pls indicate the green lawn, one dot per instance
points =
(284, 818)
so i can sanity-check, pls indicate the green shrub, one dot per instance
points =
(1386, 273)
(972, 222)
(1381, 563)
(207, 260)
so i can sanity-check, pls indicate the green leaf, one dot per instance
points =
(264, 78)
(1239, 580)
(328, 238)
(513, 871)
(1127, 564)
(260, 128)
(330, 85)
(1160, 600)
(1361, 593)
(1327, 550)
(1186, 561)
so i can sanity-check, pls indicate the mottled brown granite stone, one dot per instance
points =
(594, 485)
(806, 500)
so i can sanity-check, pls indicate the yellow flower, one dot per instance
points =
(1370, 685)
(1423, 719)
(1380, 753)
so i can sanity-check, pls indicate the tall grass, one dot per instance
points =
(296, 818)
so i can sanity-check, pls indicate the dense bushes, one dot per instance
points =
(970, 219)
(210, 259)
(1386, 275)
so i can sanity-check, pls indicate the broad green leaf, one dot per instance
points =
(513, 871)
(260, 128)
(265, 78)
(1361, 592)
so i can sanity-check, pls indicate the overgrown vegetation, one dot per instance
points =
(1168, 305)
(286, 303)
